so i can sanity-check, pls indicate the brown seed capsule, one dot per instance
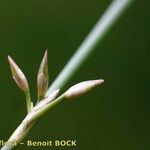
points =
(43, 77)
(18, 75)
(82, 88)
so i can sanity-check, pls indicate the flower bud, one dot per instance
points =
(82, 88)
(42, 77)
(18, 75)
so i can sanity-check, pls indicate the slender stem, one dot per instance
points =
(18, 135)
(28, 101)
(112, 13)
(42, 111)
(28, 123)
(7, 147)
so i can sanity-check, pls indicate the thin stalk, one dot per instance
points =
(113, 12)
(29, 121)
(7, 147)
(28, 101)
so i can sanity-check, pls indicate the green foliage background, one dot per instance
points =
(113, 117)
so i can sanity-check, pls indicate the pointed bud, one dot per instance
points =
(47, 100)
(41, 85)
(42, 77)
(82, 88)
(18, 75)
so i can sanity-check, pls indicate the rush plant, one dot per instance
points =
(44, 103)
(49, 97)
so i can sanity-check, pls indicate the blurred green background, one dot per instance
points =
(116, 116)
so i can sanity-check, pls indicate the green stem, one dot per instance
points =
(28, 123)
(42, 111)
(28, 101)
(110, 16)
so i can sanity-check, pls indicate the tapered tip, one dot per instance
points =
(43, 77)
(98, 81)
(82, 88)
(18, 75)
(10, 59)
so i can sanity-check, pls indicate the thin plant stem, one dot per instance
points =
(113, 12)
(7, 147)
(29, 121)
(28, 101)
